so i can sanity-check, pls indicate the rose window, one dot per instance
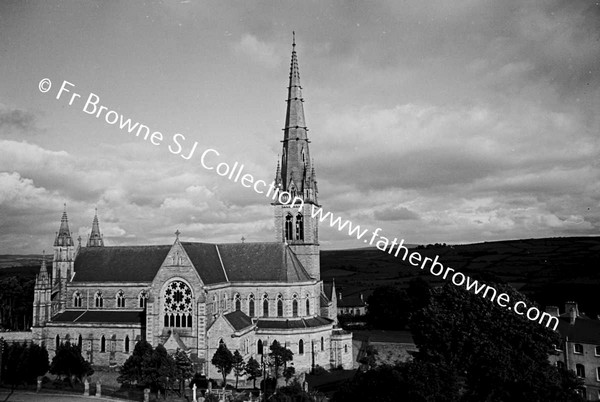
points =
(178, 305)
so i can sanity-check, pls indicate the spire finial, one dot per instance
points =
(177, 233)
(293, 38)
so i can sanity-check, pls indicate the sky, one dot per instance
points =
(436, 121)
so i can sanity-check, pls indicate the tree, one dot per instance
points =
(499, 355)
(184, 368)
(389, 308)
(131, 372)
(159, 369)
(418, 293)
(288, 373)
(239, 366)
(68, 362)
(223, 361)
(253, 370)
(279, 357)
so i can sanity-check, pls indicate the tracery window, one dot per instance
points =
(295, 305)
(98, 299)
(178, 305)
(143, 299)
(251, 305)
(289, 234)
(279, 305)
(238, 302)
(120, 299)
(265, 305)
(299, 227)
(77, 299)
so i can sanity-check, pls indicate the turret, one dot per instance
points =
(42, 295)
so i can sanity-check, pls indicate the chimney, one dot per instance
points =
(361, 298)
(572, 310)
(553, 311)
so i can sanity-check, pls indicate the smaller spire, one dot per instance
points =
(63, 237)
(243, 239)
(95, 239)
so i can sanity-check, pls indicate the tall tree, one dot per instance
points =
(223, 361)
(389, 308)
(184, 367)
(131, 372)
(159, 369)
(253, 370)
(279, 357)
(500, 356)
(68, 362)
(239, 366)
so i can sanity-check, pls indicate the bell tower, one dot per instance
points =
(296, 174)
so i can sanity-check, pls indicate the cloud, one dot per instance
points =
(258, 51)
(19, 120)
(395, 213)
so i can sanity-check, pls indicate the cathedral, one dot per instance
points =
(194, 296)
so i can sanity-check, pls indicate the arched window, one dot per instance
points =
(103, 344)
(178, 305)
(238, 302)
(259, 347)
(279, 305)
(120, 299)
(301, 347)
(322, 344)
(299, 227)
(345, 348)
(251, 305)
(295, 305)
(57, 341)
(265, 305)
(221, 343)
(143, 299)
(79, 341)
(215, 304)
(289, 234)
(126, 345)
(98, 299)
(307, 305)
(77, 299)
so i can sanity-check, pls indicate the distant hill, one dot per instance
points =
(549, 271)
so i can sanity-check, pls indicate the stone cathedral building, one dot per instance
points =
(193, 296)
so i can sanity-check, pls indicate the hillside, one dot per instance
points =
(549, 271)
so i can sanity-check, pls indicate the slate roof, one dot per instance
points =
(238, 320)
(100, 316)
(585, 330)
(119, 264)
(351, 301)
(241, 262)
(294, 323)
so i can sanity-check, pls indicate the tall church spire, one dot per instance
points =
(296, 167)
(95, 239)
(63, 237)
(294, 224)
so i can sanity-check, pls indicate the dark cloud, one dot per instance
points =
(16, 119)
